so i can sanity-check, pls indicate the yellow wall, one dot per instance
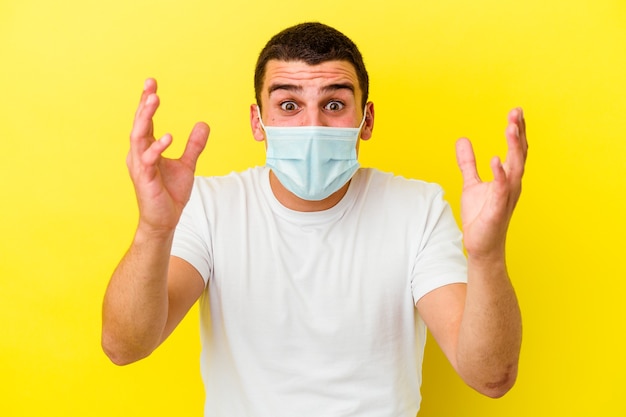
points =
(71, 73)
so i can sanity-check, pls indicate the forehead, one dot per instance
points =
(301, 74)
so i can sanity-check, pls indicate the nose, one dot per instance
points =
(313, 116)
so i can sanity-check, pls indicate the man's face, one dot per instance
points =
(297, 94)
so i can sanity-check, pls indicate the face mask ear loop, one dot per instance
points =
(362, 121)
(260, 119)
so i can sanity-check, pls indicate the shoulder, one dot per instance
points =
(233, 179)
(396, 188)
(232, 184)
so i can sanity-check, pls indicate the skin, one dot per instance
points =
(296, 94)
(150, 292)
(478, 325)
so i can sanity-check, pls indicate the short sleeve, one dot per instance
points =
(440, 259)
(192, 239)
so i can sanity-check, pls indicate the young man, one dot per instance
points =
(316, 279)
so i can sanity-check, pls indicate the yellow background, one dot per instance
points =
(71, 74)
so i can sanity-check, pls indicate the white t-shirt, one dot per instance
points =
(313, 314)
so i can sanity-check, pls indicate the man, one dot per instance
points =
(316, 279)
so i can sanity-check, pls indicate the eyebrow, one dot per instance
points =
(286, 87)
(298, 89)
(336, 87)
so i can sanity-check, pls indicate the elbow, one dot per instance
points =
(499, 385)
(118, 359)
(497, 391)
(118, 353)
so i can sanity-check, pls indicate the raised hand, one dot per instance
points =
(487, 207)
(162, 185)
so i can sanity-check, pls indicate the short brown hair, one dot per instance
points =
(312, 43)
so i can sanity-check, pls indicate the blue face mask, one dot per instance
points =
(312, 161)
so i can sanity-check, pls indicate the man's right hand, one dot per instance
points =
(162, 185)
(150, 291)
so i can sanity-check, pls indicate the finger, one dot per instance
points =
(522, 131)
(142, 133)
(516, 117)
(499, 174)
(195, 145)
(516, 153)
(466, 160)
(149, 87)
(502, 193)
(152, 155)
(140, 129)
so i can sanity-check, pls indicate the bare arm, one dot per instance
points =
(478, 325)
(150, 292)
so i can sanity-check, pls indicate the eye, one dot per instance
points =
(288, 106)
(334, 105)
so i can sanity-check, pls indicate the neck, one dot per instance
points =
(293, 202)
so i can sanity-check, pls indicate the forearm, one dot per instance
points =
(135, 307)
(491, 329)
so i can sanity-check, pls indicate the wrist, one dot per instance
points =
(488, 260)
(148, 233)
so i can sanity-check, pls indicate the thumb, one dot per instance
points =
(195, 144)
(467, 162)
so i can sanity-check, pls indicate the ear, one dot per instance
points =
(368, 125)
(257, 130)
